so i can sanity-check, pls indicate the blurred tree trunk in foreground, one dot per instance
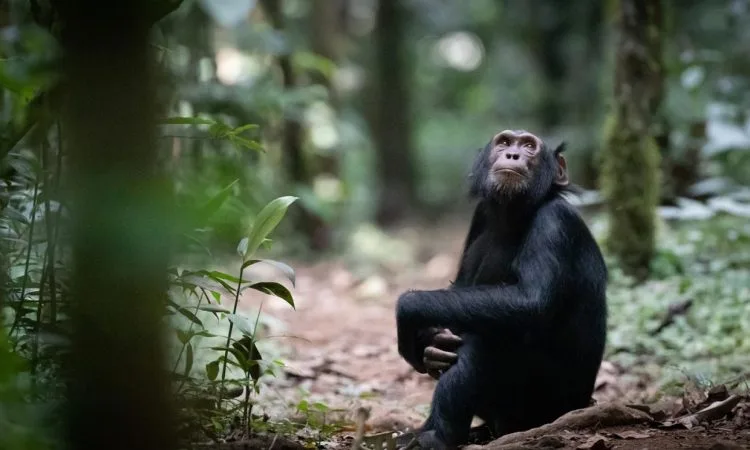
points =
(631, 161)
(391, 122)
(118, 389)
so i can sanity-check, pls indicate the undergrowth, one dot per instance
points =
(703, 264)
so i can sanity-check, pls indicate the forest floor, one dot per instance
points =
(339, 350)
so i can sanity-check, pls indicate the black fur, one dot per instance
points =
(529, 303)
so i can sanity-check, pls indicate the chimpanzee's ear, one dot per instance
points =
(561, 177)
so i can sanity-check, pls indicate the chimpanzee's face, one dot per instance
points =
(517, 164)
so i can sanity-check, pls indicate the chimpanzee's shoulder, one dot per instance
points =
(561, 209)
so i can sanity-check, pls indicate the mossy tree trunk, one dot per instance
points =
(631, 160)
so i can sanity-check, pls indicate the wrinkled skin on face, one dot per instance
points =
(517, 165)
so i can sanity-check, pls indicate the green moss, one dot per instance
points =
(630, 185)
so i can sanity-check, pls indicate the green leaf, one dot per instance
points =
(241, 359)
(218, 130)
(242, 248)
(188, 359)
(214, 309)
(243, 142)
(216, 275)
(187, 121)
(212, 370)
(183, 336)
(268, 218)
(322, 407)
(275, 289)
(192, 281)
(242, 324)
(243, 128)
(215, 203)
(183, 311)
(248, 348)
(288, 271)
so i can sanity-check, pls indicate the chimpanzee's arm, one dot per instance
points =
(413, 352)
(475, 229)
(521, 306)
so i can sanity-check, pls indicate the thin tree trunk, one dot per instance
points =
(392, 121)
(118, 390)
(631, 160)
(552, 24)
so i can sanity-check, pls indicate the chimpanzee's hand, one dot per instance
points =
(441, 353)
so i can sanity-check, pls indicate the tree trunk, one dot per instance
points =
(119, 394)
(316, 230)
(630, 171)
(586, 105)
(392, 121)
(552, 25)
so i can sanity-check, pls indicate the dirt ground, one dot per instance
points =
(339, 346)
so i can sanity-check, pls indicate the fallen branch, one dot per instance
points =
(674, 310)
(595, 417)
(714, 411)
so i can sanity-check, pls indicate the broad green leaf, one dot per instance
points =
(288, 271)
(212, 370)
(250, 349)
(275, 289)
(242, 324)
(241, 358)
(268, 218)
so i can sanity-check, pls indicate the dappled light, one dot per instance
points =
(374, 224)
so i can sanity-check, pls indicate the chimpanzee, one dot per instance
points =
(526, 315)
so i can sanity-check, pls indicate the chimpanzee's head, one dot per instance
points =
(517, 165)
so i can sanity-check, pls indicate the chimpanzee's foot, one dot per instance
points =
(428, 440)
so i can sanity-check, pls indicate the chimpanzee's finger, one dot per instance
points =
(434, 374)
(436, 354)
(436, 366)
(446, 340)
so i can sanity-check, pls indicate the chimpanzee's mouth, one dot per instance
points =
(515, 172)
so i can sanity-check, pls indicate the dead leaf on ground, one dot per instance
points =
(630, 434)
(595, 442)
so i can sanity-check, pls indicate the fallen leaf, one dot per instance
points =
(632, 435)
(595, 442)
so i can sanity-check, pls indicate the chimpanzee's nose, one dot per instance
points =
(512, 155)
